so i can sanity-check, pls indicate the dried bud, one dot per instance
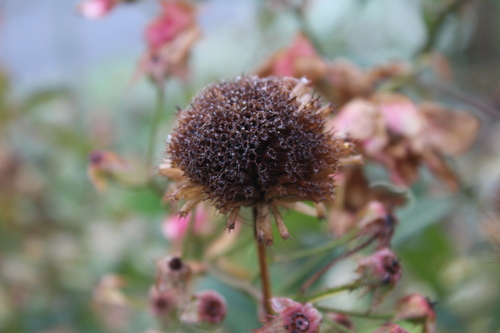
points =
(419, 309)
(173, 273)
(391, 328)
(254, 142)
(380, 269)
(293, 318)
(212, 307)
(162, 303)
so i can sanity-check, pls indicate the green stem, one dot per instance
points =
(357, 314)
(318, 250)
(344, 255)
(322, 294)
(160, 101)
(189, 234)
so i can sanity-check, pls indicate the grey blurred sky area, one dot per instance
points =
(46, 41)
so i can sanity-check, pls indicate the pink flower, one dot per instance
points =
(293, 318)
(94, 9)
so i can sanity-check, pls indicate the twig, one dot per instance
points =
(367, 315)
(317, 250)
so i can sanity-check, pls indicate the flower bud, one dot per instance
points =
(293, 318)
(380, 269)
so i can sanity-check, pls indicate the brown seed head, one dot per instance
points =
(252, 140)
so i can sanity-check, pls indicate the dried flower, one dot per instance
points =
(299, 60)
(418, 309)
(254, 142)
(394, 131)
(391, 328)
(293, 318)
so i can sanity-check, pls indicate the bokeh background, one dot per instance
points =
(67, 87)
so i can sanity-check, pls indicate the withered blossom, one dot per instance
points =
(340, 79)
(254, 142)
(391, 129)
(293, 317)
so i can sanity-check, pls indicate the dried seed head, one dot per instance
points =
(253, 140)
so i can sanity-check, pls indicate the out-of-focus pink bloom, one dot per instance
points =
(170, 38)
(293, 318)
(391, 328)
(418, 309)
(299, 60)
(176, 16)
(94, 9)
(380, 269)
(175, 226)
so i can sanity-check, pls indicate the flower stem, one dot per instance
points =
(344, 255)
(322, 294)
(264, 269)
(318, 250)
(160, 103)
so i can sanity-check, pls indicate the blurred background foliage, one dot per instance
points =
(66, 88)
